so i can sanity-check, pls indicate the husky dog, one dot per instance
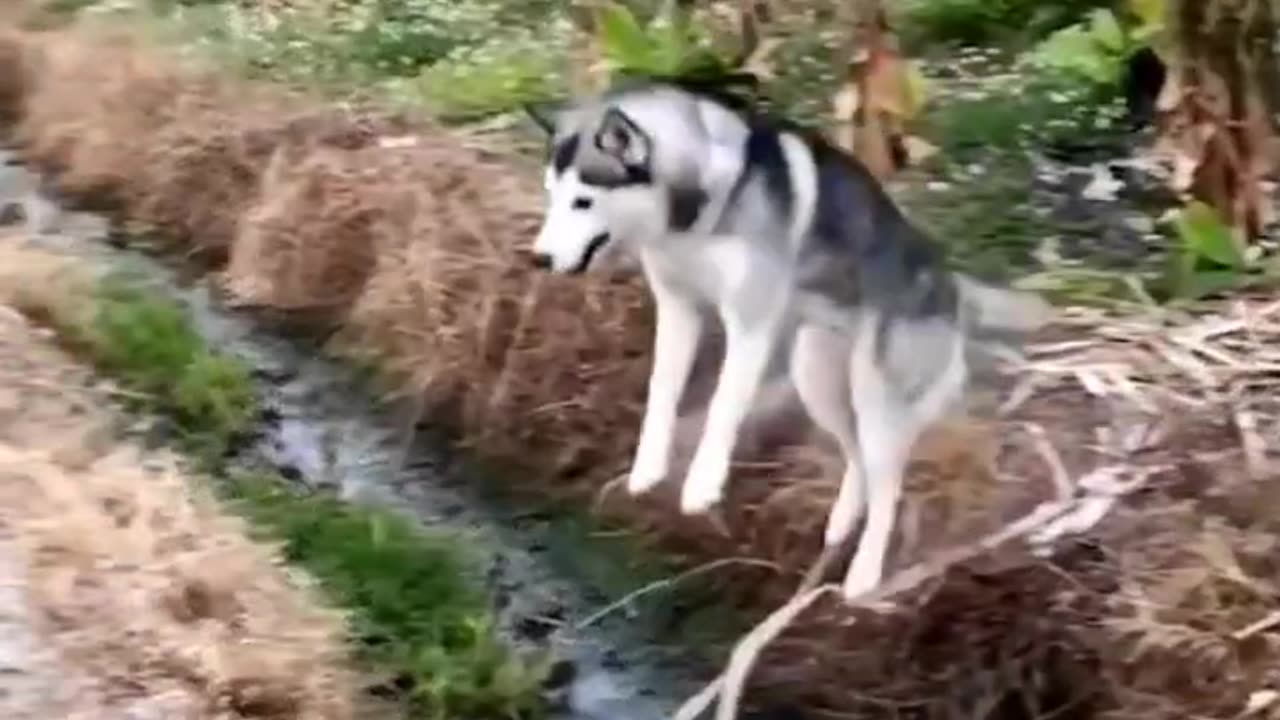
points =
(787, 239)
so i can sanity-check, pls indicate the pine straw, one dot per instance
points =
(417, 242)
(1148, 589)
(140, 583)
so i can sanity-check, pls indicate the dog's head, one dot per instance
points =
(603, 199)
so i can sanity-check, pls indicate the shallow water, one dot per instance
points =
(324, 429)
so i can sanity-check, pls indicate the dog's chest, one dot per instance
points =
(714, 268)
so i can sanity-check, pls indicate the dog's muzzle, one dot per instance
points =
(593, 247)
(546, 261)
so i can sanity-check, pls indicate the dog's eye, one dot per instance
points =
(582, 203)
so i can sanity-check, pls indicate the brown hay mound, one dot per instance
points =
(1168, 610)
(93, 115)
(203, 172)
(310, 239)
(517, 357)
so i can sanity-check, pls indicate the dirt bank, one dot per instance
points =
(412, 243)
(124, 591)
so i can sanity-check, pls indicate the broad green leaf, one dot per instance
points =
(1106, 30)
(1205, 235)
(1208, 282)
(1075, 50)
(671, 45)
(1150, 13)
(623, 39)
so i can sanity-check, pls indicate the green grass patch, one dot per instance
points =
(461, 61)
(1043, 112)
(496, 77)
(147, 343)
(417, 613)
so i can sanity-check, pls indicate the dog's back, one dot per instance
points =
(859, 249)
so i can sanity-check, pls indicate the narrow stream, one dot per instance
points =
(325, 430)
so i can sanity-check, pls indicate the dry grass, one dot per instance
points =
(96, 130)
(418, 248)
(13, 82)
(141, 584)
(158, 594)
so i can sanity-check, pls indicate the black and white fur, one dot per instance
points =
(787, 240)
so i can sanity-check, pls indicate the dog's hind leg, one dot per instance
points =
(675, 344)
(819, 369)
(904, 374)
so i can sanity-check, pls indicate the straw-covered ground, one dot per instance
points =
(1159, 598)
(126, 591)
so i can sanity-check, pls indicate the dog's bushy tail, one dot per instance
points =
(1001, 310)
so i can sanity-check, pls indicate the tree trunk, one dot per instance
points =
(873, 101)
(1217, 108)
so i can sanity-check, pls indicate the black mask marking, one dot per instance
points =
(685, 206)
(593, 247)
(563, 153)
(613, 175)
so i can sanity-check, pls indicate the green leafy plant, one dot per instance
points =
(473, 83)
(669, 45)
(1095, 51)
(1208, 259)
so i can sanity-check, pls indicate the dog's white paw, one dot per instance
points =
(642, 480)
(703, 486)
(650, 465)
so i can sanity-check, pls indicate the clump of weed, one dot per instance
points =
(149, 344)
(473, 82)
(143, 340)
(417, 614)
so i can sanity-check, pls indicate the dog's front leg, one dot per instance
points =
(675, 344)
(750, 340)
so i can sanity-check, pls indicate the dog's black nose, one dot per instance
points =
(541, 261)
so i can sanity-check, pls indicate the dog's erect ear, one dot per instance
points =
(620, 137)
(546, 114)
